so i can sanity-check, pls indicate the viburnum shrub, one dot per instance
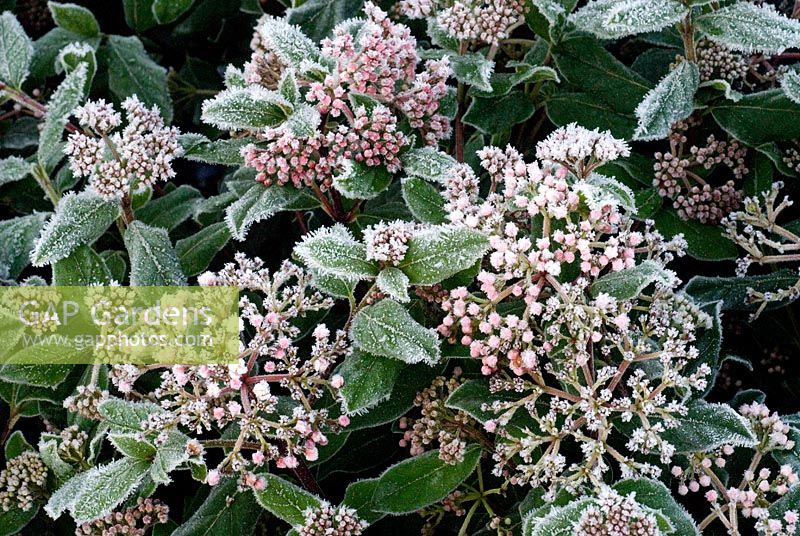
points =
(512, 267)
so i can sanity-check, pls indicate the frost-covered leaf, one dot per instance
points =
(198, 148)
(333, 251)
(555, 521)
(169, 455)
(35, 375)
(492, 115)
(705, 242)
(790, 84)
(746, 27)
(760, 118)
(612, 19)
(153, 259)
(15, 445)
(473, 70)
(127, 416)
(360, 181)
(16, 51)
(132, 72)
(421, 481)
(602, 190)
(225, 512)
(724, 87)
(72, 56)
(132, 446)
(286, 500)
(628, 283)
(252, 107)
(394, 283)
(733, 291)
(386, 329)
(318, 18)
(427, 163)
(198, 250)
(65, 99)
(424, 201)
(670, 101)
(260, 202)
(17, 237)
(333, 286)
(172, 209)
(166, 11)
(709, 426)
(439, 252)
(291, 45)
(82, 267)
(79, 219)
(13, 169)
(12, 521)
(304, 121)
(368, 380)
(48, 450)
(552, 10)
(74, 18)
(657, 497)
(359, 496)
(104, 487)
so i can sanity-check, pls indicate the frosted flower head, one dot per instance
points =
(23, 482)
(581, 150)
(387, 241)
(616, 515)
(329, 520)
(98, 116)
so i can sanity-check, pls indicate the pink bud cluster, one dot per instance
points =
(371, 138)
(489, 21)
(289, 159)
(613, 514)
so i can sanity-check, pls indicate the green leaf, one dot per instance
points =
(496, 115)
(439, 252)
(759, 118)
(705, 242)
(421, 481)
(17, 238)
(198, 148)
(427, 163)
(13, 169)
(16, 445)
(394, 283)
(198, 250)
(790, 84)
(790, 501)
(556, 520)
(139, 14)
(16, 51)
(104, 487)
(83, 267)
(424, 201)
(629, 283)
(360, 181)
(153, 260)
(317, 18)
(709, 426)
(172, 209)
(65, 99)
(74, 18)
(260, 202)
(655, 495)
(285, 500)
(79, 219)
(368, 380)
(304, 121)
(132, 72)
(169, 455)
(670, 101)
(14, 520)
(732, 291)
(746, 27)
(612, 19)
(225, 512)
(72, 56)
(386, 329)
(252, 107)
(133, 446)
(473, 70)
(47, 48)
(590, 112)
(48, 450)
(167, 11)
(333, 251)
(127, 416)
(359, 497)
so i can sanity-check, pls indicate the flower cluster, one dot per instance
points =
(330, 520)
(387, 241)
(371, 138)
(716, 61)
(488, 21)
(117, 160)
(290, 159)
(23, 482)
(612, 514)
(133, 521)
(691, 194)
(580, 149)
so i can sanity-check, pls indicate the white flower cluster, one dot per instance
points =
(387, 241)
(615, 515)
(115, 161)
(580, 149)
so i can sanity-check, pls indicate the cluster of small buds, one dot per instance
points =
(85, 402)
(696, 474)
(387, 242)
(489, 21)
(133, 521)
(716, 61)
(768, 425)
(420, 102)
(432, 294)
(290, 159)
(791, 158)
(692, 196)
(23, 482)
(580, 149)
(372, 138)
(461, 186)
(330, 520)
(437, 423)
(72, 445)
(786, 526)
(265, 68)
(613, 514)
(416, 9)
(142, 152)
(124, 376)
